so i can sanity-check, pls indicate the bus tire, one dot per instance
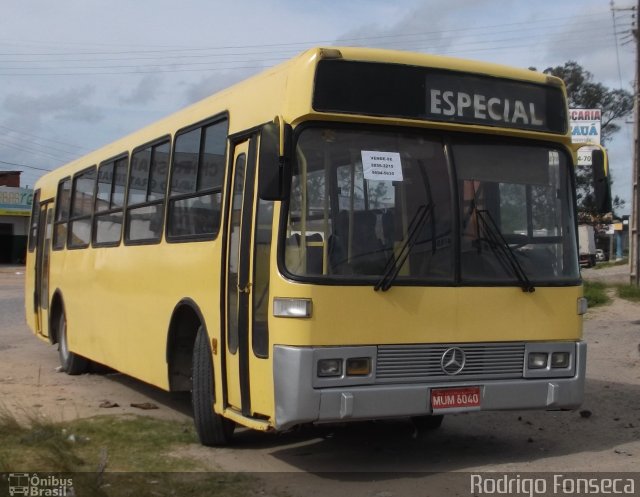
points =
(70, 362)
(431, 422)
(212, 428)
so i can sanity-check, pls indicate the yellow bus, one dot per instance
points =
(354, 234)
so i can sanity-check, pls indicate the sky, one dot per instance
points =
(78, 74)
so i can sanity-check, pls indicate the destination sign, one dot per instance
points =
(412, 92)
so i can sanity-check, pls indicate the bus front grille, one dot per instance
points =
(427, 362)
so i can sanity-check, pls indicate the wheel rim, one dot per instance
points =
(62, 342)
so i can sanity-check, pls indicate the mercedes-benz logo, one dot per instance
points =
(453, 361)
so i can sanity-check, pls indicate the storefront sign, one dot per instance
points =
(15, 201)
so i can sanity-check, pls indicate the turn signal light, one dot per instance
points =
(359, 366)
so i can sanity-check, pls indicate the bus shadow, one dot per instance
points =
(609, 417)
(179, 402)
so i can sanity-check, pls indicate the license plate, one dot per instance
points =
(459, 399)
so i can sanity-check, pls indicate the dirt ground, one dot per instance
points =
(603, 435)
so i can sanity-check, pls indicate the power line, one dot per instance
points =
(25, 165)
(527, 25)
(492, 41)
(57, 142)
(474, 46)
(33, 151)
(25, 142)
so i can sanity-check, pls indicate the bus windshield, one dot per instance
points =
(464, 210)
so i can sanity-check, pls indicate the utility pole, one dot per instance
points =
(634, 238)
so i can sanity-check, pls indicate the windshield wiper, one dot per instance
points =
(394, 264)
(499, 245)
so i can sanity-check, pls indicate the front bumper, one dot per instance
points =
(298, 402)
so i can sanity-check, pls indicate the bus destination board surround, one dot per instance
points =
(394, 90)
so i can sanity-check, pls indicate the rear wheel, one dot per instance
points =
(71, 363)
(212, 428)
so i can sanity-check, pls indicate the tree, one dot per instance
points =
(615, 104)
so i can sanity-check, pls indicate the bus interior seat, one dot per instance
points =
(388, 229)
(368, 255)
(314, 252)
(367, 250)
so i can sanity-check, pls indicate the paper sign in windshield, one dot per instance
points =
(381, 166)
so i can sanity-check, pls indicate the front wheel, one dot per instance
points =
(71, 363)
(212, 428)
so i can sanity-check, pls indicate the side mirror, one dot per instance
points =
(601, 186)
(274, 176)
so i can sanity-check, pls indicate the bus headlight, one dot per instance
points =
(560, 359)
(344, 366)
(329, 367)
(538, 360)
(550, 360)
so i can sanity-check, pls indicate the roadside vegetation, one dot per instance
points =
(596, 293)
(113, 456)
(628, 292)
(603, 265)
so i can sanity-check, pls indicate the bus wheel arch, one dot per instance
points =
(190, 368)
(212, 428)
(57, 307)
(185, 322)
(71, 363)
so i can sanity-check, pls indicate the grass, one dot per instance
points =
(603, 265)
(628, 292)
(113, 456)
(596, 293)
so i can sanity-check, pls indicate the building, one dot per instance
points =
(15, 209)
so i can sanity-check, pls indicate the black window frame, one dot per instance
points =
(153, 145)
(34, 221)
(111, 209)
(448, 138)
(172, 199)
(72, 217)
(60, 243)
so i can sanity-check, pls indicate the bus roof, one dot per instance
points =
(289, 87)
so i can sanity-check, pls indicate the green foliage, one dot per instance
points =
(604, 265)
(616, 104)
(584, 93)
(596, 293)
(114, 456)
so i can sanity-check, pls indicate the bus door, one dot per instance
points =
(238, 280)
(43, 252)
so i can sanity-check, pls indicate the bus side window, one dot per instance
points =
(196, 182)
(79, 232)
(147, 187)
(107, 223)
(62, 214)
